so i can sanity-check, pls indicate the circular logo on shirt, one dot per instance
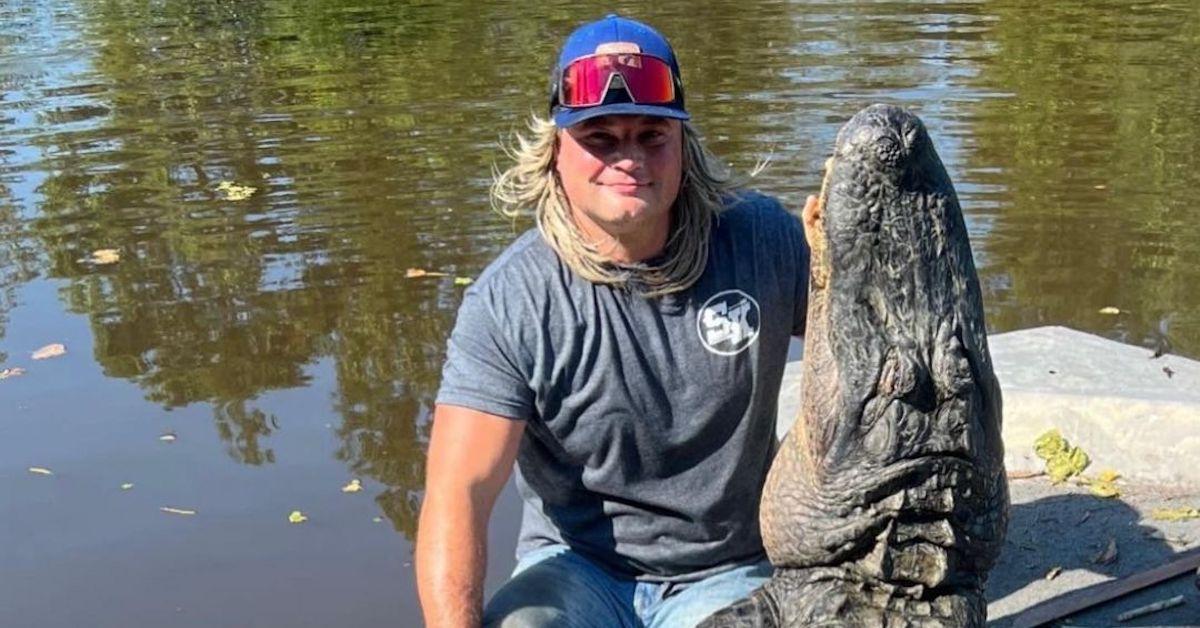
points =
(728, 322)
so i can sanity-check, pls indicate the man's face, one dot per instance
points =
(621, 173)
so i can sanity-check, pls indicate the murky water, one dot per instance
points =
(278, 336)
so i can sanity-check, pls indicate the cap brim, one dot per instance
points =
(564, 117)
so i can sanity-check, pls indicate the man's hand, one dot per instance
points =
(470, 458)
(811, 217)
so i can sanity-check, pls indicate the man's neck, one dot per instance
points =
(627, 248)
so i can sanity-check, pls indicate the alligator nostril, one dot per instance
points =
(888, 150)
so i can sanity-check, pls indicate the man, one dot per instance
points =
(627, 354)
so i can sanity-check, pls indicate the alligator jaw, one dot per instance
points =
(835, 600)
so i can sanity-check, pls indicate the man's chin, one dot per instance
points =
(629, 205)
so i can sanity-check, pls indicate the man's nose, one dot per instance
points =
(629, 156)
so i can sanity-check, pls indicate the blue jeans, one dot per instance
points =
(554, 586)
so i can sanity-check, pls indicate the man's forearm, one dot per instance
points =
(470, 457)
(451, 559)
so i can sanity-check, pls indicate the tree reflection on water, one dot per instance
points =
(369, 131)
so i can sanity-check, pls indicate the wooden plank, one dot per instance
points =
(1075, 601)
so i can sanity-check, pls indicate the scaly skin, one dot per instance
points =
(887, 503)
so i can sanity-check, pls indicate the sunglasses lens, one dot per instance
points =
(649, 82)
(585, 81)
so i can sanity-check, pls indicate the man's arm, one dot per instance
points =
(470, 458)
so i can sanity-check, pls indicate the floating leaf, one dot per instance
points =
(169, 437)
(235, 192)
(41, 471)
(1108, 555)
(49, 351)
(103, 257)
(413, 273)
(126, 486)
(1053, 573)
(16, 371)
(353, 487)
(1182, 513)
(297, 517)
(177, 511)
(463, 281)
(1110, 310)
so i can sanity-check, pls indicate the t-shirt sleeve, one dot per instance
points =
(799, 247)
(482, 372)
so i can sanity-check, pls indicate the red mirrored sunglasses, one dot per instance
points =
(647, 80)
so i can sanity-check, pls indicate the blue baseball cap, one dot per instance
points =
(613, 29)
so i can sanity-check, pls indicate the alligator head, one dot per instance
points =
(887, 502)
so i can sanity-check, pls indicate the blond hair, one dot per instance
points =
(531, 183)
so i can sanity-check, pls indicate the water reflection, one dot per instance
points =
(369, 131)
(1095, 154)
(218, 300)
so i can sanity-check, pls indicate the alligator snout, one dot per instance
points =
(884, 134)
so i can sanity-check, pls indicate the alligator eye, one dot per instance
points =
(912, 134)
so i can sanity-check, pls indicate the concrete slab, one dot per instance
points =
(1062, 529)
(1130, 411)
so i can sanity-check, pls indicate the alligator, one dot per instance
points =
(887, 503)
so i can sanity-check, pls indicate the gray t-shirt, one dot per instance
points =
(650, 422)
